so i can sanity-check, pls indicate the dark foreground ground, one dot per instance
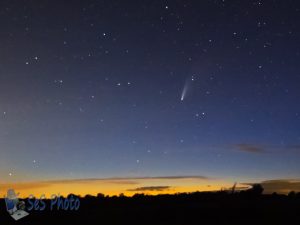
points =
(183, 209)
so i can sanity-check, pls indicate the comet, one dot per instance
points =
(184, 91)
(186, 88)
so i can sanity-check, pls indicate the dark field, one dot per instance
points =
(194, 208)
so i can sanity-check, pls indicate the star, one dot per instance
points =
(58, 81)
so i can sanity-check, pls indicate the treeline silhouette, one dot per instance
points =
(222, 207)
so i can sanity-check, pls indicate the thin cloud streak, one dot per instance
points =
(265, 148)
(251, 148)
(151, 188)
(282, 186)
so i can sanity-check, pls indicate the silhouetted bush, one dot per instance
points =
(100, 195)
(292, 194)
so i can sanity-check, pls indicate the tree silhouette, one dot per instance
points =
(100, 195)
(257, 189)
(292, 194)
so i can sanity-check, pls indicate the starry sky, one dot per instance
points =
(148, 90)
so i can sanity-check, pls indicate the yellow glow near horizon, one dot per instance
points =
(114, 186)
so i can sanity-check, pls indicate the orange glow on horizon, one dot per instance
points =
(112, 187)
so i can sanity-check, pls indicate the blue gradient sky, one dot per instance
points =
(92, 89)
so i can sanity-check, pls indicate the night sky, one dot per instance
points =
(139, 89)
